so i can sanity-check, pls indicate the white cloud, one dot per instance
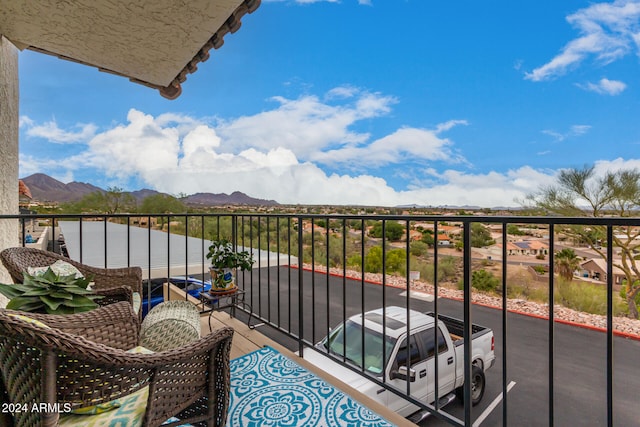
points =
(608, 31)
(603, 166)
(402, 145)
(136, 148)
(574, 130)
(605, 87)
(305, 125)
(341, 92)
(53, 133)
(25, 121)
(577, 130)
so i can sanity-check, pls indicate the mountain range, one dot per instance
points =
(46, 189)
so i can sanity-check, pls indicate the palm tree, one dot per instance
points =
(565, 263)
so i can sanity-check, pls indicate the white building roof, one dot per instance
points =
(159, 254)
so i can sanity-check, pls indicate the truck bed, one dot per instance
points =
(456, 328)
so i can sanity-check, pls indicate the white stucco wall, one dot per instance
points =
(8, 146)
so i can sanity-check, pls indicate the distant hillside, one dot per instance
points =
(235, 198)
(46, 189)
(140, 195)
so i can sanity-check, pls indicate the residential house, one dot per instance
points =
(538, 247)
(596, 269)
(512, 249)
(443, 240)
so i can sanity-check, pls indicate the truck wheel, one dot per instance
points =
(477, 386)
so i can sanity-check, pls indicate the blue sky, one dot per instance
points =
(358, 102)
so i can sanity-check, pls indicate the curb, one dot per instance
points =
(535, 316)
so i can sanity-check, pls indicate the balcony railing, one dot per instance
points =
(312, 272)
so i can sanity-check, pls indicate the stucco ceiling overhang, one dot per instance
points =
(155, 43)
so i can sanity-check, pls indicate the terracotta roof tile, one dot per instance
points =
(231, 25)
(23, 190)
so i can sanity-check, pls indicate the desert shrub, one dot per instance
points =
(418, 248)
(483, 281)
(587, 298)
(539, 269)
(396, 261)
(623, 293)
(447, 266)
(354, 261)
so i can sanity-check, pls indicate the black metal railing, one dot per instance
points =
(310, 275)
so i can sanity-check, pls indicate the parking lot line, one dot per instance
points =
(418, 295)
(492, 406)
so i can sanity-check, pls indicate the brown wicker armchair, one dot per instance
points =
(80, 359)
(114, 284)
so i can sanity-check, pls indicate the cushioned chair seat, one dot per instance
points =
(129, 414)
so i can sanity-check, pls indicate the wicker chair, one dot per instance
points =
(80, 359)
(114, 284)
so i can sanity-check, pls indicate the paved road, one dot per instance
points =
(579, 360)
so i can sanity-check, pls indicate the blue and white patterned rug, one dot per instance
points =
(268, 389)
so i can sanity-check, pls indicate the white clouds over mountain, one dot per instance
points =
(282, 153)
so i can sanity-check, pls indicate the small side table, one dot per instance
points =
(234, 298)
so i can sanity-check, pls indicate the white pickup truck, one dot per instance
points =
(359, 341)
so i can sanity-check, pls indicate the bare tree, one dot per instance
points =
(580, 192)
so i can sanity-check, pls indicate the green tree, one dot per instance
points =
(162, 203)
(514, 230)
(427, 237)
(565, 263)
(112, 201)
(393, 230)
(480, 236)
(582, 192)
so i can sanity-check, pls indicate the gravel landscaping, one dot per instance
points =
(621, 324)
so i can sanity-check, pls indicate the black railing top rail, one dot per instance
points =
(499, 219)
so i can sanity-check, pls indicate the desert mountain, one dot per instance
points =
(46, 189)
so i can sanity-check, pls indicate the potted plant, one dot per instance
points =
(50, 293)
(224, 261)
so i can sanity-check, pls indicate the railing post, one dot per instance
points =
(300, 295)
(504, 324)
(467, 320)
(551, 326)
(609, 326)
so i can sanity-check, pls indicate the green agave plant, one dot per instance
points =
(50, 293)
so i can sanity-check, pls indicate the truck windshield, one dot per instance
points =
(351, 334)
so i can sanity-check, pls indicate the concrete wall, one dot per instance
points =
(8, 146)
